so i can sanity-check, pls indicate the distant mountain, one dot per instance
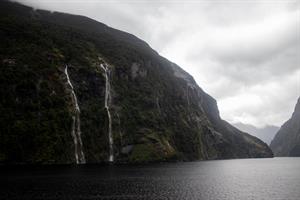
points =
(266, 133)
(287, 140)
(74, 90)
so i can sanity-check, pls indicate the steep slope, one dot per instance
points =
(287, 140)
(75, 90)
(266, 133)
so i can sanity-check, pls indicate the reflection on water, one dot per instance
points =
(243, 179)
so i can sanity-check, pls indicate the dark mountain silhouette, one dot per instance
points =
(75, 90)
(287, 140)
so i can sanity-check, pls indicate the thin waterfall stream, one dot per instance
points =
(106, 105)
(76, 131)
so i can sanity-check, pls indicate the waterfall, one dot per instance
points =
(106, 105)
(76, 132)
(187, 96)
(157, 105)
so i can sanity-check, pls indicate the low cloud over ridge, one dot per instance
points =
(246, 54)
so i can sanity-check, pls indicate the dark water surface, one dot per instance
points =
(243, 179)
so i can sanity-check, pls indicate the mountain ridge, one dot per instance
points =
(287, 140)
(128, 103)
(266, 133)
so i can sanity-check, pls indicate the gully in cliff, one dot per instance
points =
(76, 132)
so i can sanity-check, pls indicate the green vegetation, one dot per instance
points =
(156, 113)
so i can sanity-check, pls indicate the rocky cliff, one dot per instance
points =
(74, 90)
(287, 140)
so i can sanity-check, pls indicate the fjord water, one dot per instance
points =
(242, 179)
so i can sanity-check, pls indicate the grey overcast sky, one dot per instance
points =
(244, 53)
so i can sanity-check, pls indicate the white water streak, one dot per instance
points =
(76, 131)
(106, 104)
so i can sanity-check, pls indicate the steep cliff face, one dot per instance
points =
(287, 140)
(74, 90)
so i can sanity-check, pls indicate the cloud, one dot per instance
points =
(246, 54)
(261, 104)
